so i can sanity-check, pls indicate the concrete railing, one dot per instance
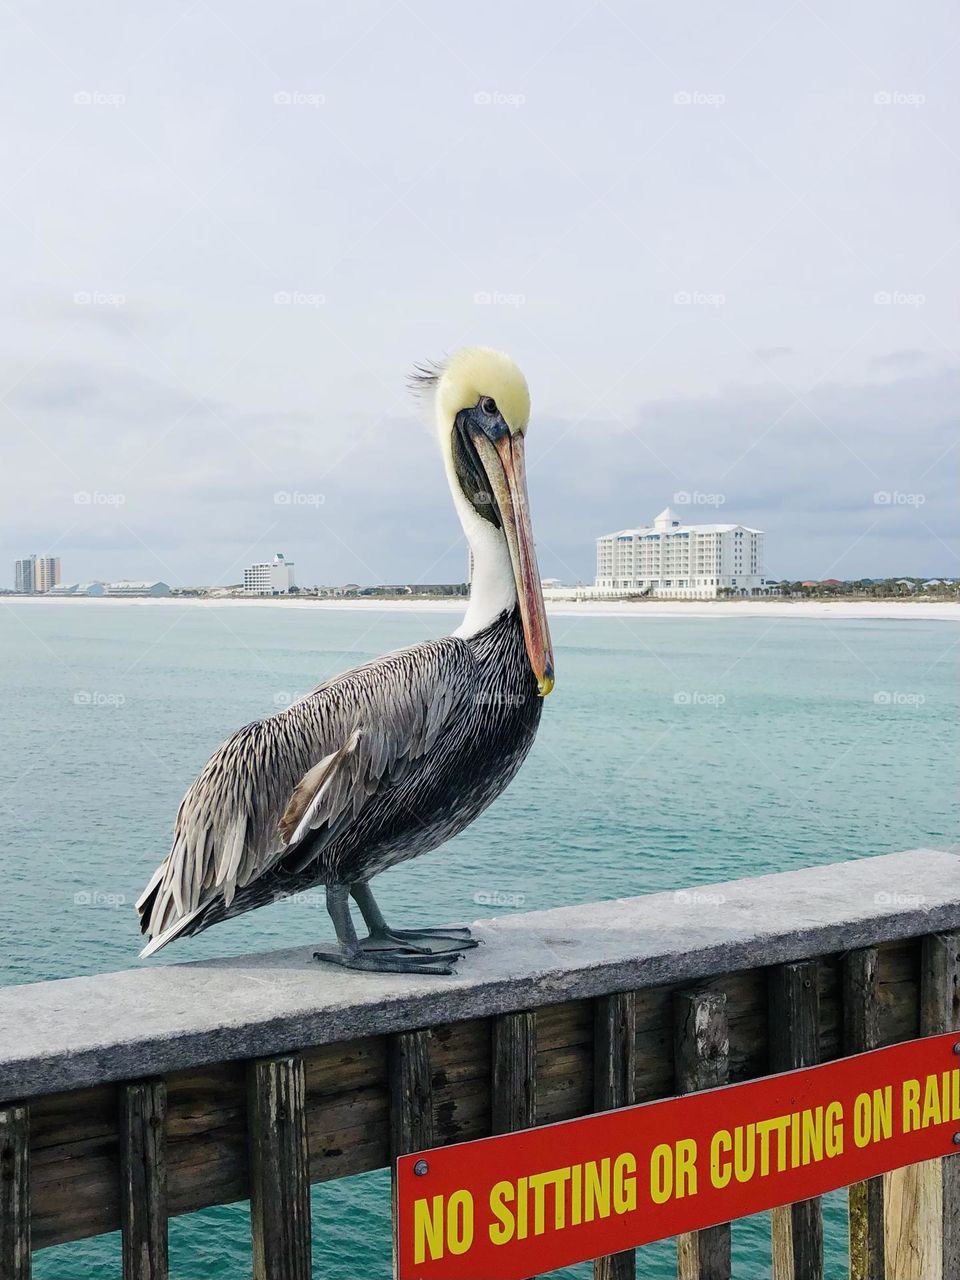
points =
(132, 1096)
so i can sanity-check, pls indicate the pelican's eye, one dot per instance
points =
(489, 406)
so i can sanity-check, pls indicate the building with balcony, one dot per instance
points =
(36, 575)
(272, 578)
(673, 560)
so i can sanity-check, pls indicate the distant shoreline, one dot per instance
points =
(768, 607)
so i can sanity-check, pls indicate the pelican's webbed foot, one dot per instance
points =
(388, 961)
(448, 940)
(388, 950)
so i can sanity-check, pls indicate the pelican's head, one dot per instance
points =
(482, 410)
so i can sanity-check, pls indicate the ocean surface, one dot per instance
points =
(674, 752)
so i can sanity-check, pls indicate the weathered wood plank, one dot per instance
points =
(411, 1105)
(514, 1103)
(15, 1243)
(143, 1180)
(702, 1061)
(411, 1093)
(279, 1182)
(939, 1013)
(861, 1032)
(795, 1042)
(922, 1228)
(614, 1085)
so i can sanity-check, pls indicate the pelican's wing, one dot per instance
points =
(306, 772)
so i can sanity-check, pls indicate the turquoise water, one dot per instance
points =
(675, 751)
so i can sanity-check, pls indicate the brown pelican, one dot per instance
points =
(391, 759)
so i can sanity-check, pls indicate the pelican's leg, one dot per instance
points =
(438, 942)
(389, 959)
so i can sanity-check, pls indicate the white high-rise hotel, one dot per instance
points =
(681, 561)
(270, 578)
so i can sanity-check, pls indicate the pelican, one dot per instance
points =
(393, 758)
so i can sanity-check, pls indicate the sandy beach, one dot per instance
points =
(904, 611)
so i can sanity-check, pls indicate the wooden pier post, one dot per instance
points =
(614, 1085)
(701, 1057)
(15, 1260)
(514, 1073)
(922, 1227)
(860, 1010)
(411, 1105)
(514, 1102)
(279, 1168)
(794, 1030)
(143, 1180)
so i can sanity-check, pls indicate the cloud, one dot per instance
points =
(906, 359)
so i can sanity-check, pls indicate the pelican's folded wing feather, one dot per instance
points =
(307, 771)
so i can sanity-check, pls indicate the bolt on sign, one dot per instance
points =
(529, 1202)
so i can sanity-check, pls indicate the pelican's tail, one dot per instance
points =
(184, 925)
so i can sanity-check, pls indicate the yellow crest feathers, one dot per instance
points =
(472, 372)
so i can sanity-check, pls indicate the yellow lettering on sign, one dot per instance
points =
(721, 1144)
(625, 1183)
(596, 1191)
(873, 1116)
(911, 1105)
(501, 1231)
(661, 1173)
(673, 1170)
(428, 1228)
(834, 1130)
(931, 1102)
(460, 1222)
(744, 1152)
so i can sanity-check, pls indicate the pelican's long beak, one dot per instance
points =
(509, 482)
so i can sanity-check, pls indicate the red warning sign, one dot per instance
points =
(518, 1205)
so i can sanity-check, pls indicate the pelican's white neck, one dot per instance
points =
(493, 587)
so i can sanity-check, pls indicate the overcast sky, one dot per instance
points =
(722, 242)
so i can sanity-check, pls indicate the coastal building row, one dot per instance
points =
(120, 590)
(674, 560)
